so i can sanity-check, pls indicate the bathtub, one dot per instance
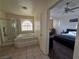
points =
(23, 40)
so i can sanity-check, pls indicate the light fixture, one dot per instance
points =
(24, 7)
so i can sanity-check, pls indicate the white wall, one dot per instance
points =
(76, 50)
(63, 24)
(56, 25)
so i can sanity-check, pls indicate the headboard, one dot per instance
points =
(71, 30)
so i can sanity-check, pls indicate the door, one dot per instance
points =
(44, 41)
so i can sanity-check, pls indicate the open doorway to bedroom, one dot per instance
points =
(63, 31)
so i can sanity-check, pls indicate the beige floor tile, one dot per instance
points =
(30, 52)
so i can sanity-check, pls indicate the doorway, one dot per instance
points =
(64, 38)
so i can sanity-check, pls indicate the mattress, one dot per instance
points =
(66, 40)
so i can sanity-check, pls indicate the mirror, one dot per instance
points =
(7, 31)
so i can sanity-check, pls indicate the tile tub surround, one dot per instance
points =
(23, 40)
(29, 52)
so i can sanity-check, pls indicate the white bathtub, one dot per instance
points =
(23, 40)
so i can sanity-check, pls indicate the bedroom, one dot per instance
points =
(63, 29)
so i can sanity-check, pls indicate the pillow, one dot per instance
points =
(72, 33)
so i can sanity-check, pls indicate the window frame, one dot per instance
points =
(28, 19)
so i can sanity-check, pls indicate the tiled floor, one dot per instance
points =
(31, 52)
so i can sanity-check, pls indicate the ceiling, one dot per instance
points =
(15, 6)
(58, 10)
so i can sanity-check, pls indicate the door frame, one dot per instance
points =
(48, 18)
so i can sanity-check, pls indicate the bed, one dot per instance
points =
(63, 44)
(67, 38)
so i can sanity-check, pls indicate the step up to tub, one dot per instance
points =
(25, 42)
